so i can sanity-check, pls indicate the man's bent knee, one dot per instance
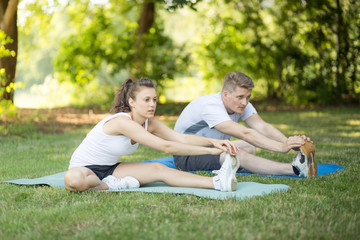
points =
(158, 167)
(251, 149)
(241, 154)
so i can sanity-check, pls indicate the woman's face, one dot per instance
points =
(144, 103)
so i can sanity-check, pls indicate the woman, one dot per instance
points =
(94, 164)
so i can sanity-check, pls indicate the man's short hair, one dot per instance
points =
(237, 79)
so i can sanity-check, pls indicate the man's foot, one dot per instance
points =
(304, 163)
(121, 183)
(225, 178)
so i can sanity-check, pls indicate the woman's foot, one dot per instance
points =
(121, 183)
(225, 179)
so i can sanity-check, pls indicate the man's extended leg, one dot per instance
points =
(208, 162)
(261, 165)
(198, 162)
(247, 147)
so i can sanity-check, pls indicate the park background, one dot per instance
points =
(72, 52)
(62, 60)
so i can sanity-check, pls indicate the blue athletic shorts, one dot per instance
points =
(102, 171)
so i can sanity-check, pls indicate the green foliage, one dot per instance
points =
(93, 95)
(301, 52)
(106, 37)
(170, 109)
(3, 41)
(172, 5)
(7, 108)
(297, 48)
(22, 129)
(163, 63)
(316, 208)
(41, 27)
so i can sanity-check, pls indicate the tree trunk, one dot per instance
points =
(147, 17)
(342, 47)
(146, 20)
(8, 24)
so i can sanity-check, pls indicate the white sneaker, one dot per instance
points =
(226, 174)
(121, 183)
(304, 165)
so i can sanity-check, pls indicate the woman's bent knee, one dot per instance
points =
(74, 181)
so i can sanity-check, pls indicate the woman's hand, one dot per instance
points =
(225, 146)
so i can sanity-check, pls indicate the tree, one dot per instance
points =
(106, 42)
(121, 36)
(306, 52)
(145, 22)
(8, 24)
(303, 52)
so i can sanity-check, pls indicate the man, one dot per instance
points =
(217, 116)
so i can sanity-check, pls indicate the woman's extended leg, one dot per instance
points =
(154, 172)
(82, 178)
(79, 179)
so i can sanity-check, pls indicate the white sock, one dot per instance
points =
(216, 182)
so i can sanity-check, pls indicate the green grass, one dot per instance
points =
(316, 208)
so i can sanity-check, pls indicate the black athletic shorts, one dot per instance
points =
(198, 162)
(102, 171)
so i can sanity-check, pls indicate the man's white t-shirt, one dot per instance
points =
(202, 115)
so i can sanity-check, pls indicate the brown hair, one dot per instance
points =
(237, 79)
(128, 90)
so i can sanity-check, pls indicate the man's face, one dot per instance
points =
(236, 101)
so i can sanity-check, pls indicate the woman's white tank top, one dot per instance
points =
(99, 148)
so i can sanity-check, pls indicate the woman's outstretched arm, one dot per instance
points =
(125, 126)
(161, 130)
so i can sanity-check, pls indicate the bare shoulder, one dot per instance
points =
(114, 126)
(154, 124)
(118, 119)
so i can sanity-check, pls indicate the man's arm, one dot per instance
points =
(266, 129)
(257, 139)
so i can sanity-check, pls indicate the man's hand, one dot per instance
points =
(294, 142)
(306, 139)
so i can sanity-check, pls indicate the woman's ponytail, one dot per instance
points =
(128, 90)
(121, 103)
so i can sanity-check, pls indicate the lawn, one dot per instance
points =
(315, 208)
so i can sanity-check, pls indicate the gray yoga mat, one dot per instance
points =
(244, 189)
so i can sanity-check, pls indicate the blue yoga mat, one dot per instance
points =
(244, 189)
(323, 168)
